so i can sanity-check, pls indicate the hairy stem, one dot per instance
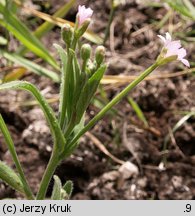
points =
(51, 167)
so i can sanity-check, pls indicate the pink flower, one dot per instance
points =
(83, 14)
(174, 49)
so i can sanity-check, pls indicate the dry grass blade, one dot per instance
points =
(103, 148)
(60, 22)
(111, 79)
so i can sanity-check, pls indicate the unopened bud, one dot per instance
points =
(67, 33)
(82, 29)
(100, 54)
(85, 52)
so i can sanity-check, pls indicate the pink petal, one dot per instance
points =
(185, 62)
(84, 13)
(168, 36)
(174, 49)
(181, 53)
(162, 38)
(174, 45)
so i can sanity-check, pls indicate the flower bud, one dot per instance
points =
(100, 55)
(81, 30)
(83, 14)
(85, 52)
(67, 33)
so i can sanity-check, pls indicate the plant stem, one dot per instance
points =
(12, 150)
(111, 16)
(113, 102)
(53, 163)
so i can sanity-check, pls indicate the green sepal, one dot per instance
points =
(57, 188)
(10, 177)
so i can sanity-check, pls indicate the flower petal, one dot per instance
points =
(181, 53)
(185, 62)
(168, 36)
(174, 45)
(162, 38)
(83, 14)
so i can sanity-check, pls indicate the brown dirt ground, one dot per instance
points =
(133, 46)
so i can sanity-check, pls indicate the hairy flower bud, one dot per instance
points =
(82, 29)
(100, 54)
(85, 52)
(67, 33)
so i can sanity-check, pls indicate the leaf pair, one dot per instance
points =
(61, 192)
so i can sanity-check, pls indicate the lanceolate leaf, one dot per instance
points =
(68, 188)
(59, 139)
(31, 66)
(10, 145)
(23, 34)
(63, 57)
(56, 193)
(184, 9)
(79, 77)
(10, 177)
(88, 92)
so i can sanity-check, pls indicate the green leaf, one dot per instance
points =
(68, 188)
(12, 150)
(10, 177)
(79, 78)
(35, 68)
(184, 9)
(23, 34)
(88, 92)
(138, 111)
(57, 134)
(57, 188)
(76, 67)
(63, 57)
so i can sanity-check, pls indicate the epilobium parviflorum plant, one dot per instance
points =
(79, 82)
